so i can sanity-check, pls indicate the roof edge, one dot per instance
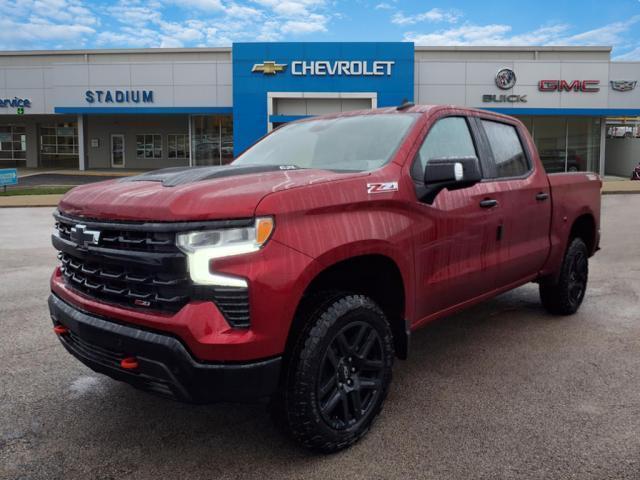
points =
(511, 48)
(418, 48)
(16, 53)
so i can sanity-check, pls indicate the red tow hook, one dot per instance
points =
(60, 330)
(129, 363)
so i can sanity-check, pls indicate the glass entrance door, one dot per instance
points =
(117, 151)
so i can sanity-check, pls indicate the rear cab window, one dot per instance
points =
(509, 157)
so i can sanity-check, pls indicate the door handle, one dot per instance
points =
(542, 196)
(488, 203)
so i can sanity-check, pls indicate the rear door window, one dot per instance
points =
(508, 154)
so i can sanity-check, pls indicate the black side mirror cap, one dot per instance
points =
(451, 173)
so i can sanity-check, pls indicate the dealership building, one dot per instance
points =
(154, 108)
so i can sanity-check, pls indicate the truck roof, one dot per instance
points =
(409, 109)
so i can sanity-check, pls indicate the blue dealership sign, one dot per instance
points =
(8, 176)
(383, 70)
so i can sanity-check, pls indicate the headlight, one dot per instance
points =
(203, 246)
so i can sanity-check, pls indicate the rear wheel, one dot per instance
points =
(338, 374)
(565, 296)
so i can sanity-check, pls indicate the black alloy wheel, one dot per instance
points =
(565, 295)
(338, 372)
(578, 273)
(351, 375)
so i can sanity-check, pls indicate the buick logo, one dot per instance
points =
(83, 237)
(505, 78)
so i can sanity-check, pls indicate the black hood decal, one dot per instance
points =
(175, 176)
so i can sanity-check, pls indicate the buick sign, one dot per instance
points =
(505, 79)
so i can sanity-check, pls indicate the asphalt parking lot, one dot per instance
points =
(500, 391)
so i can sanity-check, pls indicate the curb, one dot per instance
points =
(21, 201)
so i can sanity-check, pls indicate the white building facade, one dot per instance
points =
(153, 108)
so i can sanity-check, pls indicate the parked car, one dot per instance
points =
(553, 161)
(300, 271)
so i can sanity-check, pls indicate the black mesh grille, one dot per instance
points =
(138, 266)
(126, 285)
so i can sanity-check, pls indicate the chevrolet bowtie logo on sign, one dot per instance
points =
(269, 67)
(623, 85)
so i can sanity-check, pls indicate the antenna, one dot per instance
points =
(405, 104)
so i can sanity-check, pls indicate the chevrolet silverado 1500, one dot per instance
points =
(298, 272)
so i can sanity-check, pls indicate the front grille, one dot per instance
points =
(122, 239)
(137, 265)
(126, 285)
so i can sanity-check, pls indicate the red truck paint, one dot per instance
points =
(447, 253)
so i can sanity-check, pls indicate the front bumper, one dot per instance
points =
(165, 366)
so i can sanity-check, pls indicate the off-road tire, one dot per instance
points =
(564, 296)
(328, 322)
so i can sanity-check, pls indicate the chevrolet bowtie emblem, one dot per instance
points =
(84, 237)
(269, 67)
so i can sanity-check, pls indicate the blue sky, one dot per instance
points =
(69, 24)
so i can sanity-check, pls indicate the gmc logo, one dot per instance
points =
(564, 86)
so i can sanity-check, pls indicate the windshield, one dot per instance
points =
(358, 143)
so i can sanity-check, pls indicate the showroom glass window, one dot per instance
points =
(566, 144)
(178, 146)
(59, 145)
(13, 146)
(212, 139)
(148, 145)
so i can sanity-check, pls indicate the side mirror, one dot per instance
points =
(451, 173)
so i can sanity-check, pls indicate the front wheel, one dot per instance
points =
(565, 296)
(339, 373)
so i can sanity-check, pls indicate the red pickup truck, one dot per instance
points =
(299, 271)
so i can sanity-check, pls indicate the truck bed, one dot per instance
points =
(573, 195)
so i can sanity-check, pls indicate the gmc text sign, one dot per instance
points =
(564, 86)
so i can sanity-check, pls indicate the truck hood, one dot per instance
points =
(184, 194)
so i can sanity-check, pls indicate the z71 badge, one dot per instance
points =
(382, 187)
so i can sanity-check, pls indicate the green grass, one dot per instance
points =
(34, 191)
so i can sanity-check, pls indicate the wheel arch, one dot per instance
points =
(375, 275)
(584, 227)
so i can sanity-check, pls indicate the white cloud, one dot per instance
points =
(433, 15)
(500, 34)
(240, 11)
(45, 24)
(384, 6)
(292, 8)
(316, 23)
(204, 5)
(632, 55)
(134, 14)
(64, 11)
(610, 34)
